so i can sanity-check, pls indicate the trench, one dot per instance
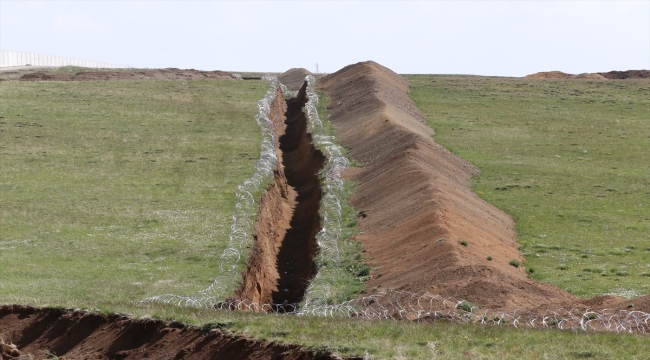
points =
(281, 263)
(295, 261)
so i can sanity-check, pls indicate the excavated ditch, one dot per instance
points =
(281, 263)
(30, 333)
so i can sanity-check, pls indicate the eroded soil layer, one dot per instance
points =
(281, 263)
(45, 333)
(424, 230)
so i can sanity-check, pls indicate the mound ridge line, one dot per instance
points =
(417, 205)
(84, 335)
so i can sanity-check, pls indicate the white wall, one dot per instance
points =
(20, 58)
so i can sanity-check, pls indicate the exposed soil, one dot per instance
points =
(302, 161)
(629, 74)
(69, 334)
(274, 215)
(294, 78)
(154, 74)
(281, 262)
(424, 230)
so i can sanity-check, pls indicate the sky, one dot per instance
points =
(500, 38)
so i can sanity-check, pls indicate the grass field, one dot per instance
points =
(568, 160)
(114, 191)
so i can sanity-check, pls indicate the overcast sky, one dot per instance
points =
(506, 38)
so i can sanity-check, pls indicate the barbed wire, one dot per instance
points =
(403, 305)
(328, 260)
(386, 305)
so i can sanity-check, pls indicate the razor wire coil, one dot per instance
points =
(386, 305)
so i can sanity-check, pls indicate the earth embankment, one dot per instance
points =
(281, 263)
(424, 230)
(47, 333)
(128, 74)
(294, 78)
(611, 75)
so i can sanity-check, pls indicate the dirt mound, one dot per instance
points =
(45, 333)
(561, 75)
(424, 229)
(588, 76)
(612, 75)
(294, 78)
(548, 75)
(629, 74)
(641, 303)
(154, 74)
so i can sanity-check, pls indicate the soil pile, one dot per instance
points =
(424, 229)
(561, 75)
(281, 263)
(629, 74)
(294, 78)
(612, 75)
(154, 74)
(45, 333)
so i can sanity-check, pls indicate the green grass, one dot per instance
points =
(344, 278)
(13, 74)
(568, 160)
(114, 191)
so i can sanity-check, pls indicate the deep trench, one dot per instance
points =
(281, 262)
(302, 162)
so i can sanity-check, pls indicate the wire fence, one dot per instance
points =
(20, 58)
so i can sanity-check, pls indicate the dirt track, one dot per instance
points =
(417, 205)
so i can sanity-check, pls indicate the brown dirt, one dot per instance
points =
(629, 74)
(273, 218)
(281, 261)
(81, 335)
(417, 206)
(294, 78)
(154, 74)
(561, 75)
(612, 75)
